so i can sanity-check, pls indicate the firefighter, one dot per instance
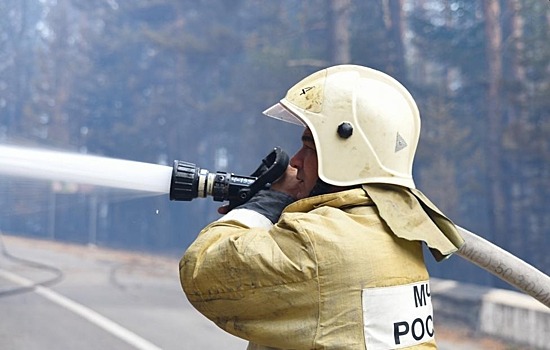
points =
(330, 257)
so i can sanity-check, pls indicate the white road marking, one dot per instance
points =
(85, 312)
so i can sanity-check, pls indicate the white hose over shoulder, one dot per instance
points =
(505, 266)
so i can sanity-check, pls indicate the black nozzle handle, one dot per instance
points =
(273, 167)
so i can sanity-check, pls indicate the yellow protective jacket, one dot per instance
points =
(330, 274)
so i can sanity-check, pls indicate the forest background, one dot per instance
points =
(158, 80)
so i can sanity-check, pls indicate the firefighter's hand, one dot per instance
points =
(224, 209)
(288, 183)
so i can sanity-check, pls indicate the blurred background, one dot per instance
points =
(158, 80)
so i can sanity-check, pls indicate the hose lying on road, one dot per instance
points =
(56, 278)
(505, 266)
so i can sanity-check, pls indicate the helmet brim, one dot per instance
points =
(280, 112)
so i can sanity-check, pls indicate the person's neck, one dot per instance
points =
(322, 187)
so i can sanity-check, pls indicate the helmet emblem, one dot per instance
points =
(304, 90)
(400, 143)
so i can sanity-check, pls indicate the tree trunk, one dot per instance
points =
(493, 36)
(340, 24)
(20, 77)
(59, 125)
(396, 64)
(516, 36)
(519, 123)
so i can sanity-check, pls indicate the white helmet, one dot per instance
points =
(365, 124)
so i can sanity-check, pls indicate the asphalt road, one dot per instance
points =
(106, 299)
(96, 298)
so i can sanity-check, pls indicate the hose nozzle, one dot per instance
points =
(189, 181)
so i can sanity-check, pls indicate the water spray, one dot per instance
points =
(31, 163)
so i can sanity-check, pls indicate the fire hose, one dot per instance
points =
(505, 266)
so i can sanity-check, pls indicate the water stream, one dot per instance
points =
(78, 168)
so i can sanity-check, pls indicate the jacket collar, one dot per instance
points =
(347, 198)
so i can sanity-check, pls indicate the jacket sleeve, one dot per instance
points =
(253, 279)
